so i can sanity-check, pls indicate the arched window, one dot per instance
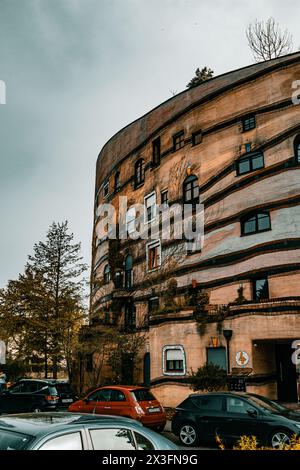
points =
(106, 274)
(297, 148)
(258, 222)
(117, 181)
(191, 190)
(128, 272)
(139, 172)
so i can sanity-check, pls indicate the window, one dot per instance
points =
(13, 440)
(156, 152)
(248, 147)
(130, 317)
(100, 395)
(139, 172)
(174, 360)
(142, 442)
(89, 362)
(117, 395)
(142, 394)
(260, 288)
(249, 123)
(128, 272)
(70, 441)
(209, 403)
(255, 223)
(191, 190)
(130, 220)
(236, 405)
(150, 207)
(197, 138)
(112, 439)
(117, 181)
(251, 162)
(217, 356)
(106, 189)
(153, 304)
(164, 198)
(153, 255)
(178, 141)
(297, 149)
(107, 274)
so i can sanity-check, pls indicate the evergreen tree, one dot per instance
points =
(200, 77)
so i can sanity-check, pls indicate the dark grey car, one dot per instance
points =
(74, 431)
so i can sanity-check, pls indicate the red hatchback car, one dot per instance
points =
(124, 400)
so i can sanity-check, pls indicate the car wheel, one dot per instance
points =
(188, 435)
(279, 439)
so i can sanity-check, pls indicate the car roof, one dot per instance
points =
(37, 424)
(205, 394)
(122, 387)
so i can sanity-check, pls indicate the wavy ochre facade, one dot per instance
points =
(230, 147)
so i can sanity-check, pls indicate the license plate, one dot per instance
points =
(154, 410)
(67, 400)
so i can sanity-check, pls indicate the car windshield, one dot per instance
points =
(13, 440)
(142, 395)
(268, 405)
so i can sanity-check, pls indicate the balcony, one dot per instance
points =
(275, 305)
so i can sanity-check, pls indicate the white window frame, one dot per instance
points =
(164, 359)
(149, 196)
(131, 221)
(150, 245)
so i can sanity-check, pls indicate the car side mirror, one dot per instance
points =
(252, 413)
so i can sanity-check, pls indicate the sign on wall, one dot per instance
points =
(242, 358)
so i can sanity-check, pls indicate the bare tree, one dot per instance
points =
(267, 41)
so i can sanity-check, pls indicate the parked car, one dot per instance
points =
(231, 415)
(29, 395)
(129, 401)
(65, 392)
(74, 431)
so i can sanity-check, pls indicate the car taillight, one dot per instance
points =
(139, 410)
(51, 397)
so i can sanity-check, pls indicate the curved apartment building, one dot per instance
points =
(231, 146)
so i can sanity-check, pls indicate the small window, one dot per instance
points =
(150, 208)
(197, 138)
(156, 152)
(174, 360)
(164, 198)
(117, 182)
(153, 304)
(130, 220)
(255, 223)
(191, 190)
(130, 317)
(107, 274)
(260, 288)
(112, 439)
(249, 122)
(178, 140)
(106, 189)
(117, 395)
(128, 272)
(209, 403)
(248, 147)
(142, 394)
(70, 441)
(139, 172)
(297, 149)
(153, 255)
(238, 406)
(250, 162)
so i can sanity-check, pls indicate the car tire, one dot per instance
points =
(188, 435)
(280, 438)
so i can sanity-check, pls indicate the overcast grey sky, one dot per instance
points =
(77, 71)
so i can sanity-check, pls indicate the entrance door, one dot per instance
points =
(147, 369)
(286, 374)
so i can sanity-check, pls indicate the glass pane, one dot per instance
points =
(244, 166)
(143, 443)
(298, 153)
(213, 403)
(257, 162)
(188, 195)
(250, 225)
(112, 439)
(263, 221)
(66, 442)
(143, 395)
(235, 405)
(261, 289)
(13, 440)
